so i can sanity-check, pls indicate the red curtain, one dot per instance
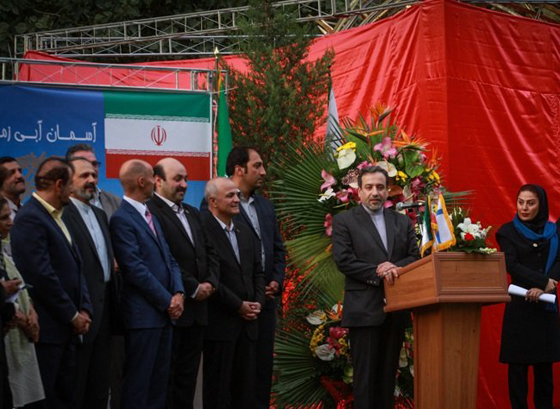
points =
(482, 87)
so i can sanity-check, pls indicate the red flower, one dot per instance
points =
(469, 237)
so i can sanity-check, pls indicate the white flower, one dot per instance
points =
(403, 360)
(468, 227)
(336, 309)
(316, 317)
(389, 167)
(325, 352)
(345, 158)
(323, 197)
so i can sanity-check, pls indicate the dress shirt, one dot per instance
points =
(378, 219)
(95, 200)
(180, 212)
(251, 210)
(13, 208)
(92, 224)
(139, 206)
(56, 215)
(230, 233)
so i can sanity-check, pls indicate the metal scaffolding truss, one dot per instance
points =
(97, 75)
(193, 33)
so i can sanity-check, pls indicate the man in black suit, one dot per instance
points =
(199, 265)
(89, 227)
(46, 256)
(229, 343)
(12, 187)
(246, 169)
(370, 244)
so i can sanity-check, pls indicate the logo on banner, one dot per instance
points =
(159, 135)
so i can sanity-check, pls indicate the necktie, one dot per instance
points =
(150, 222)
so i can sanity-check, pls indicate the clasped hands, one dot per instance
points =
(533, 294)
(176, 306)
(388, 271)
(81, 323)
(250, 310)
(205, 290)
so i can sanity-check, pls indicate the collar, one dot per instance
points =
(377, 213)
(224, 226)
(139, 206)
(174, 206)
(81, 205)
(50, 208)
(242, 198)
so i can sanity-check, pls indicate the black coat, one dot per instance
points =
(198, 261)
(238, 282)
(530, 333)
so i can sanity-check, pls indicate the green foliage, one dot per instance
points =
(282, 98)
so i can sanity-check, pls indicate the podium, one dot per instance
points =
(446, 292)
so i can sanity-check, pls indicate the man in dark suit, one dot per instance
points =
(89, 227)
(229, 342)
(199, 265)
(12, 187)
(371, 243)
(152, 294)
(246, 169)
(46, 256)
(101, 198)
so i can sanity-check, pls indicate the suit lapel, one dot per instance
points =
(76, 218)
(137, 217)
(105, 230)
(225, 241)
(364, 220)
(390, 230)
(192, 224)
(170, 214)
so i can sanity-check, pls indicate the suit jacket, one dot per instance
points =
(48, 262)
(358, 250)
(110, 202)
(275, 254)
(91, 263)
(150, 273)
(238, 282)
(198, 261)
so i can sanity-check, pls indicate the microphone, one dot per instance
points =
(412, 205)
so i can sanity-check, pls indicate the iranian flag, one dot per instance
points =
(155, 125)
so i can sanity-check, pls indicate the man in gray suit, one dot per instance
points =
(102, 199)
(371, 244)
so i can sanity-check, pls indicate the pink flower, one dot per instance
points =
(364, 164)
(386, 148)
(329, 180)
(354, 193)
(328, 224)
(342, 195)
(337, 332)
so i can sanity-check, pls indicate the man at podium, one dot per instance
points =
(370, 244)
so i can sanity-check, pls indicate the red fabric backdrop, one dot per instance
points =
(482, 87)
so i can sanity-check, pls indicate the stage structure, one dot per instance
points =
(167, 112)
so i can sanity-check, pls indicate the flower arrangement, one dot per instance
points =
(470, 236)
(312, 362)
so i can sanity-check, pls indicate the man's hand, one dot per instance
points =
(550, 286)
(388, 271)
(384, 267)
(32, 328)
(249, 310)
(271, 289)
(11, 286)
(176, 306)
(81, 323)
(533, 294)
(205, 290)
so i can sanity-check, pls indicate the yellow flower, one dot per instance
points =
(349, 145)
(434, 176)
(401, 175)
(317, 338)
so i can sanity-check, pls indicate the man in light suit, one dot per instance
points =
(152, 294)
(89, 227)
(199, 265)
(104, 200)
(229, 341)
(371, 244)
(46, 256)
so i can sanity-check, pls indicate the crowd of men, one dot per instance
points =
(131, 293)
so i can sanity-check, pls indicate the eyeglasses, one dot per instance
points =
(96, 163)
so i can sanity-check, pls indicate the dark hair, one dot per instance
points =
(524, 188)
(159, 171)
(4, 174)
(238, 156)
(3, 202)
(77, 148)
(372, 169)
(7, 159)
(44, 179)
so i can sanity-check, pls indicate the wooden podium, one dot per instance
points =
(446, 292)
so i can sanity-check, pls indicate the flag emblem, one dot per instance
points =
(159, 135)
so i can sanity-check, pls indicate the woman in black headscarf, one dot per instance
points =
(531, 330)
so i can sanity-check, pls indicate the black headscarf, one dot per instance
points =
(537, 224)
